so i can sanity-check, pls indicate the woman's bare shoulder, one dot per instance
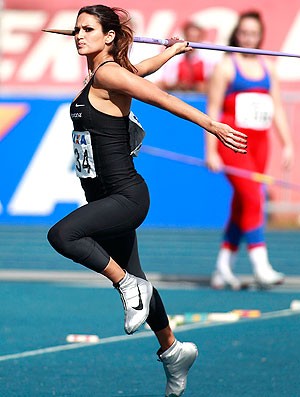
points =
(270, 65)
(225, 66)
(109, 75)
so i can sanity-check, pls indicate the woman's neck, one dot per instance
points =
(94, 62)
(93, 65)
(245, 57)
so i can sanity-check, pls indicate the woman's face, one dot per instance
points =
(249, 33)
(89, 37)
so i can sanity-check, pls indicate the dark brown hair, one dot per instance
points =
(233, 41)
(115, 19)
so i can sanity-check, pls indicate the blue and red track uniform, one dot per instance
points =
(247, 215)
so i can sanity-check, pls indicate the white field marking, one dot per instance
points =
(144, 334)
(72, 346)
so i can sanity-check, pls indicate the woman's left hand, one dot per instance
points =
(179, 46)
(235, 140)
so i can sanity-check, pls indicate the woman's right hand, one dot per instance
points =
(233, 139)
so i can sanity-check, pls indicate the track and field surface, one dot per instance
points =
(45, 297)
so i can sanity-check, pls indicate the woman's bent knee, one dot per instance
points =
(59, 239)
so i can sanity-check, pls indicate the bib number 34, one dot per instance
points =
(83, 154)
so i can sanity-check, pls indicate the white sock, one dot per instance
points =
(226, 259)
(170, 351)
(262, 269)
(259, 258)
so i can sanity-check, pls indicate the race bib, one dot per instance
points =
(136, 134)
(83, 154)
(254, 110)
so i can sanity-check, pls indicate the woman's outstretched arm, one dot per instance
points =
(114, 78)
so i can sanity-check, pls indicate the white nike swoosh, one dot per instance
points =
(78, 104)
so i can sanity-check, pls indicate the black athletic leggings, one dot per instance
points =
(106, 228)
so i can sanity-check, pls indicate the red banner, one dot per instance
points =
(36, 61)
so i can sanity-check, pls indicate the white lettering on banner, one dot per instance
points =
(291, 44)
(56, 50)
(16, 27)
(53, 58)
(213, 18)
(160, 25)
(49, 178)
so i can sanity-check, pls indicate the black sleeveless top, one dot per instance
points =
(101, 148)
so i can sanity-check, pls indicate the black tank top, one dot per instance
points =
(105, 166)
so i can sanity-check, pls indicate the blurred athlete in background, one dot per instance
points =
(244, 93)
(189, 71)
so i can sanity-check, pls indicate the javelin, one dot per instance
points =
(241, 172)
(204, 46)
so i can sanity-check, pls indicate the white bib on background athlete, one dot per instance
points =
(254, 110)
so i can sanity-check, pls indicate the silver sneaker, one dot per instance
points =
(136, 294)
(177, 361)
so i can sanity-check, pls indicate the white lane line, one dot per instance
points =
(73, 346)
(144, 334)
